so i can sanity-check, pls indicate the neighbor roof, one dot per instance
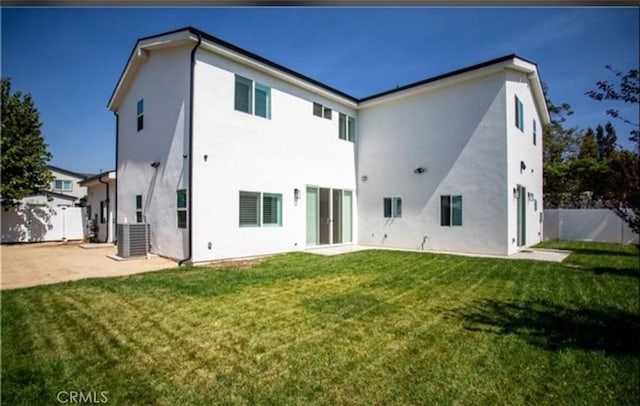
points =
(191, 34)
(70, 173)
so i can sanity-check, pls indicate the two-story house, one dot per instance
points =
(227, 154)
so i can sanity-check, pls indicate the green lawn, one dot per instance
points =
(372, 327)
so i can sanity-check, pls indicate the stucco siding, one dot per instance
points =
(457, 134)
(163, 82)
(245, 152)
(76, 190)
(521, 149)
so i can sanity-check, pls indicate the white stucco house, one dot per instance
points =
(100, 201)
(226, 154)
(52, 215)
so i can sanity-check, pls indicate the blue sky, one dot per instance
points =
(70, 59)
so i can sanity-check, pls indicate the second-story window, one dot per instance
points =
(62, 185)
(519, 114)
(346, 127)
(252, 97)
(140, 114)
(534, 132)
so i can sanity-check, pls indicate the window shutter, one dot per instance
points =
(263, 101)
(249, 209)
(243, 94)
(456, 214)
(352, 129)
(317, 109)
(271, 209)
(387, 207)
(445, 210)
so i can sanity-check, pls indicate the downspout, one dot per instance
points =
(106, 238)
(115, 204)
(190, 189)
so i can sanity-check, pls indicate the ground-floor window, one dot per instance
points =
(138, 208)
(450, 210)
(181, 204)
(392, 207)
(260, 209)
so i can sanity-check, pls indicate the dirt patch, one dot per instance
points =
(237, 264)
(28, 265)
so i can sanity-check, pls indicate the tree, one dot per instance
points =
(588, 147)
(623, 180)
(560, 146)
(24, 152)
(624, 169)
(628, 92)
(606, 139)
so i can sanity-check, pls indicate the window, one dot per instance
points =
(317, 109)
(103, 211)
(138, 208)
(140, 114)
(519, 114)
(392, 207)
(534, 132)
(271, 209)
(327, 113)
(62, 185)
(252, 98)
(263, 101)
(251, 214)
(450, 211)
(243, 100)
(352, 129)
(249, 209)
(181, 204)
(346, 127)
(342, 126)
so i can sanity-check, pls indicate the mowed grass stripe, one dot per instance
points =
(375, 326)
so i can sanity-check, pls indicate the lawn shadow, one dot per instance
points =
(634, 273)
(602, 251)
(555, 327)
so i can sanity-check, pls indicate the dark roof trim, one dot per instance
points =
(446, 75)
(68, 172)
(54, 194)
(94, 177)
(279, 67)
(256, 57)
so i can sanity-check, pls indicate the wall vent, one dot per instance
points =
(133, 240)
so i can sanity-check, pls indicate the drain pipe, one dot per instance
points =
(115, 204)
(106, 238)
(190, 190)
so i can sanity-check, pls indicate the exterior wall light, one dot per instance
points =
(419, 170)
(522, 166)
(530, 196)
(155, 164)
(364, 178)
(296, 194)
(516, 193)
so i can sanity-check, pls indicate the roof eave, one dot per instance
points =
(140, 53)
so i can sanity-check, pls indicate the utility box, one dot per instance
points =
(133, 240)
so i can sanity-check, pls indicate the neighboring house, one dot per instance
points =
(101, 197)
(52, 215)
(68, 183)
(226, 154)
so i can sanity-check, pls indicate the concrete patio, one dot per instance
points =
(535, 254)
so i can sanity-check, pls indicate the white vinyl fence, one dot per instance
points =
(586, 225)
(28, 223)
